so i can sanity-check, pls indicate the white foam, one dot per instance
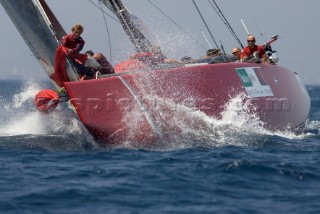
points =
(20, 116)
(186, 127)
(27, 93)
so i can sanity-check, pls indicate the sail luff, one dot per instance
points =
(39, 29)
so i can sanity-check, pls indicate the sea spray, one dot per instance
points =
(187, 127)
(21, 118)
(182, 127)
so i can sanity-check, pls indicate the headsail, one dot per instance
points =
(141, 43)
(40, 30)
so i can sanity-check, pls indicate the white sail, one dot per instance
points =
(40, 30)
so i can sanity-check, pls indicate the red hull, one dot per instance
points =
(139, 106)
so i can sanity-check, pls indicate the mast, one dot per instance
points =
(141, 43)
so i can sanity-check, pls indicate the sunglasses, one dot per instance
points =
(251, 41)
(235, 52)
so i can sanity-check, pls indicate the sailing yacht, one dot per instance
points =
(141, 104)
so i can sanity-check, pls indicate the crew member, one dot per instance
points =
(74, 42)
(212, 53)
(250, 50)
(236, 52)
(71, 45)
(104, 66)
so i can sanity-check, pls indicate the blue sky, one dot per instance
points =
(295, 21)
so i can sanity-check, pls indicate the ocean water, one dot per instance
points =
(49, 164)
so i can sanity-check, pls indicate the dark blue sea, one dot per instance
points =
(50, 164)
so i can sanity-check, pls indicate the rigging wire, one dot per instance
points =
(206, 39)
(222, 47)
(205, 23)
(259, 30)
(106, 25)
(176, 24)
(104, 12)
(107, 28)
(127, 26)
(225, 21)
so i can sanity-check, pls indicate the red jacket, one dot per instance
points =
(70, 42)
(249, 52)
